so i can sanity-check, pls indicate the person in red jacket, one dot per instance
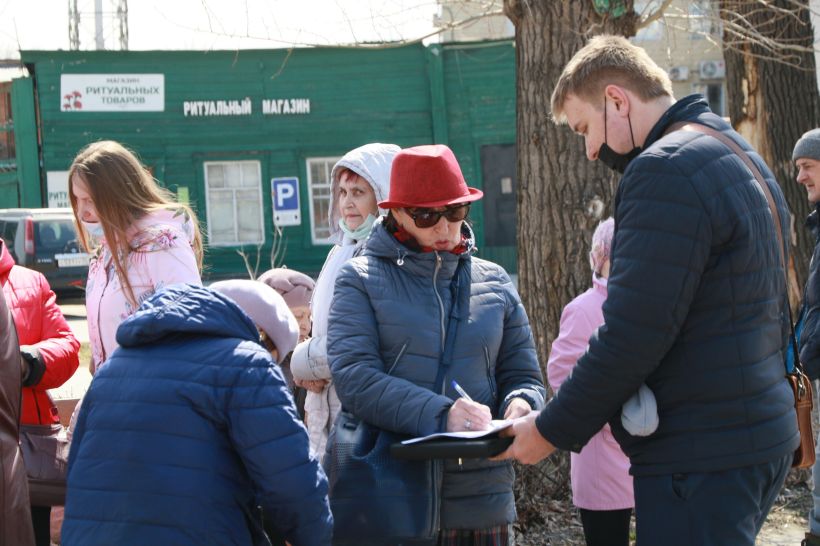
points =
(49, 348)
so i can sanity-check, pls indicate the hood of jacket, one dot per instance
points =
(149, 232)
(185, 309)
(6, 261)
(372, 162)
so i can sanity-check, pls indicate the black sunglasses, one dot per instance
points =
(425, 218)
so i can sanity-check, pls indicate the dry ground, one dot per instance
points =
(551, 519)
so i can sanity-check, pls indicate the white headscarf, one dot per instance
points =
(372, 162)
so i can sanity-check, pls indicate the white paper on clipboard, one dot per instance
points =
(495, 426)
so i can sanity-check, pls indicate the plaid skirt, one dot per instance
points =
(501, 535)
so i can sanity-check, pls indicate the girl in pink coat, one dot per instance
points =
(601, 484)
(140, 238)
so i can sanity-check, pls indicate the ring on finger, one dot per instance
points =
(468, 424)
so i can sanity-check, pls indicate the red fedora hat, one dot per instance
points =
(427, 176)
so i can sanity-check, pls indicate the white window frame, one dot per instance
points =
(331, 161)
(212, 243)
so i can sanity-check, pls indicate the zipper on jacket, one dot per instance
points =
(490, 377)
(16, 304)
(441, 315)
(440, 302)
(396, 361)
(99, 328)
(437, 469)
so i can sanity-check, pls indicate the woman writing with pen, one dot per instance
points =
(425, 338)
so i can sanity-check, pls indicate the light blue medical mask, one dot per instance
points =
(94, 229)
(360, 232)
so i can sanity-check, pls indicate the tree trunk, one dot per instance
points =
(561, 195)
(772, 103)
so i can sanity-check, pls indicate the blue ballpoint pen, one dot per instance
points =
(461, 392)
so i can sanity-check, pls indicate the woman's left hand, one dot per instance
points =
(518, 407)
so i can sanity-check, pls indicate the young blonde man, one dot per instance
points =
(696, 309)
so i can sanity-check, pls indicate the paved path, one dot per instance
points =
(74, 311)
(74, 388)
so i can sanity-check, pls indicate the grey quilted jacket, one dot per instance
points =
(386, 337)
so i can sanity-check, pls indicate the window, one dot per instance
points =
(704, 20)
(713, 93)
(54, 235)
(7, 152)
(318, 171)
(233, 191)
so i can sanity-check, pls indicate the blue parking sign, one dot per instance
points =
(285, 195)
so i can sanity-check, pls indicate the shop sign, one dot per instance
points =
(207, 108)
(57, 189)
(285, 106)
(112, 92)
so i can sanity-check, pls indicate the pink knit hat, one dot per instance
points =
(266, 308)
(601, 244)
(295, 287)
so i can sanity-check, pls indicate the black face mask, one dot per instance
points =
(612, 159)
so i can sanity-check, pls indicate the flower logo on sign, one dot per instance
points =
(71, 101)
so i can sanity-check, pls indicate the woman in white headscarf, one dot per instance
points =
(358, 181)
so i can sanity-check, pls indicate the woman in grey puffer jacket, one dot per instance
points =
(395, 308)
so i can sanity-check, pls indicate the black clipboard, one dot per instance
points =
(452, 448)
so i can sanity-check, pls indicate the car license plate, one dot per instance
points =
(72, 260)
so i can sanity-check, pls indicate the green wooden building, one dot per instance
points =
(223, 128)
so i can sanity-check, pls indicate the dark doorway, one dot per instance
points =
(498, 164)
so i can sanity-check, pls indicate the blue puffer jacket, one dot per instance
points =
(810, 313)
(696, 309)
(185, 430)
(386, 336)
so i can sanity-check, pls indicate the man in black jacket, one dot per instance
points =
(806, 157)
(696, 309)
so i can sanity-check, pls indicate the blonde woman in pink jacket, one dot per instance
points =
(140, 238)
(599, 474)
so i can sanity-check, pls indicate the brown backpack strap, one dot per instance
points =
(732, 145)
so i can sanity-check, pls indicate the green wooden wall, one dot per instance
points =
(9, 197)
(480, 94)
(467, 97)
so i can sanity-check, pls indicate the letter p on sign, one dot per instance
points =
(285, 194)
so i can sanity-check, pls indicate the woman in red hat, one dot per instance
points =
(415, 316)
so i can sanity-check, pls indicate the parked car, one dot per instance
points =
(46, 240)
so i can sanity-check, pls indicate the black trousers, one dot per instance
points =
(41, 521)
(606, 527)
